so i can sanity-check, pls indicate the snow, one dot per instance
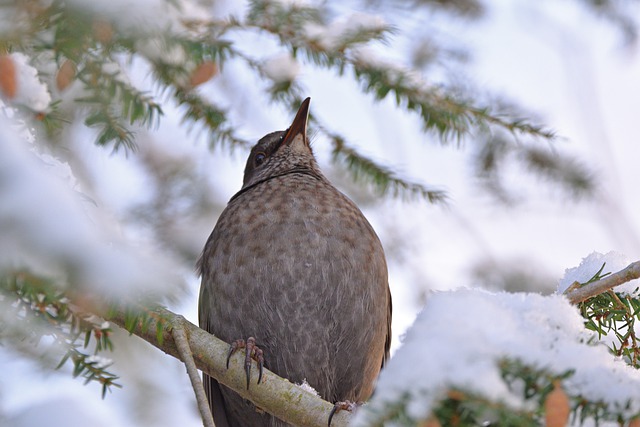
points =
(369, 57)
(293, 3)
(550, 234)
(48, 227)
(61, 170)
(13, 20)
(115, 70)
(332, 36)
(460, 337)
(281, 68)
(590, 265)
(157, 49)
(147, 15)
(307, 387)
(99, 362)
(31, 92)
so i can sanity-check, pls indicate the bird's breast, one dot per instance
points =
(295, 262)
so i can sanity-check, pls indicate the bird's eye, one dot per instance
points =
(260, 158)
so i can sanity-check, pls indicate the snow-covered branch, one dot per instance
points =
(474, 357)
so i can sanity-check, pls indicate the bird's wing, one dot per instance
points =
(216, 401)
(387, 342)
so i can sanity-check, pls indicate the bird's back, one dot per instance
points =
(294, 263)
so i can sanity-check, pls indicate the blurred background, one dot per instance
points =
(570, 66)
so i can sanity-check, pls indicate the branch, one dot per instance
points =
(578, 295)
(274, 394)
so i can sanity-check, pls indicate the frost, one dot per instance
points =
(459, 338)
(31, 92)
(282, 68)
(590, 265)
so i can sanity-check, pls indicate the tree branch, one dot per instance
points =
(274, 394)
(631, 272)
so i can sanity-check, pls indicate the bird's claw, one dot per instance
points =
(252, 351)
(346, 405)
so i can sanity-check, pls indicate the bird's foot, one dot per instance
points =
(346, 405)
(252, 351)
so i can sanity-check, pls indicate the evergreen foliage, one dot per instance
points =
(93, 51)
(39, 307)
(70, 45)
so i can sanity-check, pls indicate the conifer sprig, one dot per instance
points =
(43, 309)
(614, 314)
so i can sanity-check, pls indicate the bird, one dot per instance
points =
(294, 272)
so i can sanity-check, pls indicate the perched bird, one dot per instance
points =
(294, 263)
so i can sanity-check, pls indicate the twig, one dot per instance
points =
(631, 272)
(182, 344)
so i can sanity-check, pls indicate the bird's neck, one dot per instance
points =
(299, 170)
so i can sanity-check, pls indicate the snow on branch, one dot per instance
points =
(473, 357)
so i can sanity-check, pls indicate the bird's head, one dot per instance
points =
(282, 151)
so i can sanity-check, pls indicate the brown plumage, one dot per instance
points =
(294, 263)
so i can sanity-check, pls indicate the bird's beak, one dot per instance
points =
(298, 128)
